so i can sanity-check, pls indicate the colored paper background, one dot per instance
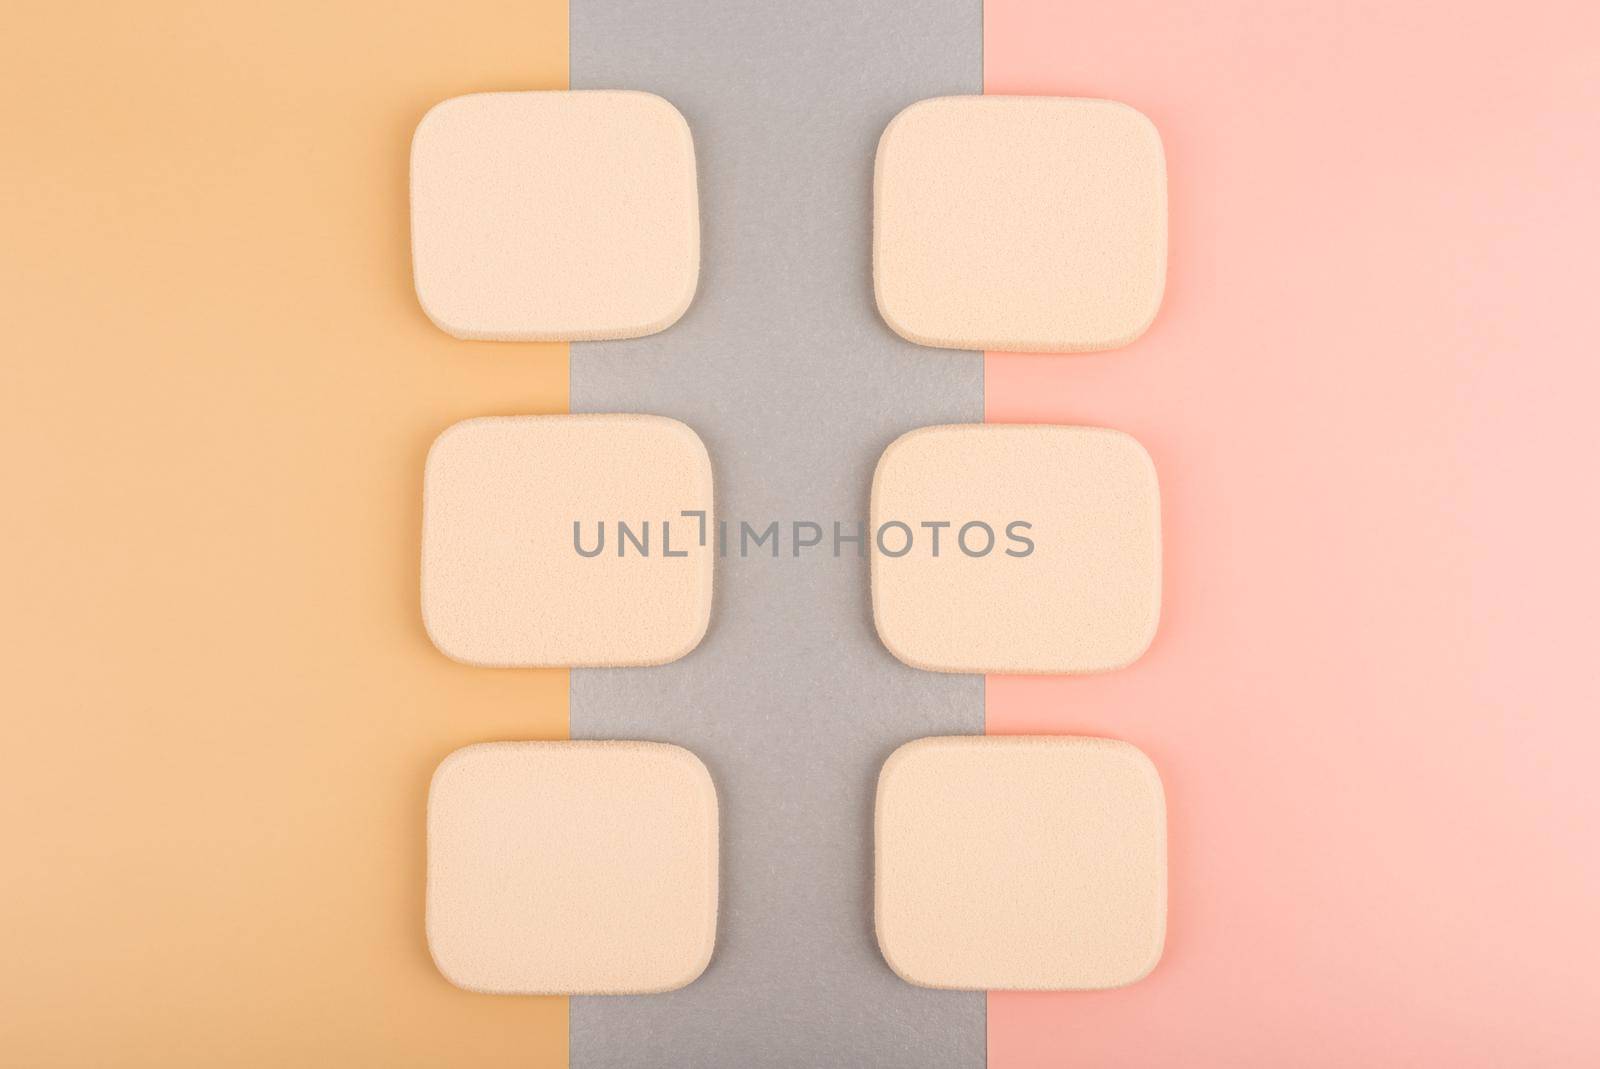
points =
(220, 711)
(1368, 396)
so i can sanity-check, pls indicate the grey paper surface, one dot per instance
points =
(785, 369)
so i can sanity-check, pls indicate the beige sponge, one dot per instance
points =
(572, 868)
(564, 541)
(554, 216)
(1029, 224)
(1030, 863)
(1048, 560)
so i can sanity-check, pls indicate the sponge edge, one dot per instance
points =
(554, 216)
(572, 868)
(1028, 863)
(1020, 224)
(506, 499)
(1070, 520)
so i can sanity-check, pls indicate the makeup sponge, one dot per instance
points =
(564, 541)
(1026, 224)
(554, 216)
(1027, 863)
(1016, 549)
(572, 868)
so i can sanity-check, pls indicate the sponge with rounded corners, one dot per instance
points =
(1016, 549)
(554, 216)
(566, 541)
(1027, 224)
(1031, 863)
(566, 868)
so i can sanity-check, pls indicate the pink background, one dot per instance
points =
(1370, 396)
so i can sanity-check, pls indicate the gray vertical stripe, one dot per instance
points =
(796, 385)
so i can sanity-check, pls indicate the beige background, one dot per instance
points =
(219, 708)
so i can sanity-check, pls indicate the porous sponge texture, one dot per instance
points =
(572, 868)
(554, 216)
(503, 581)
(1023, 224)
(1081, 594)
(1029, 863)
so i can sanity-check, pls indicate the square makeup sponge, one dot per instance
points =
(554, 216)
(1024, 224)
(1021, 863)
(572, 868)
(562, 541)
(1050, 560)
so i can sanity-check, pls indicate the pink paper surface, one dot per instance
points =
(1371, 398)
